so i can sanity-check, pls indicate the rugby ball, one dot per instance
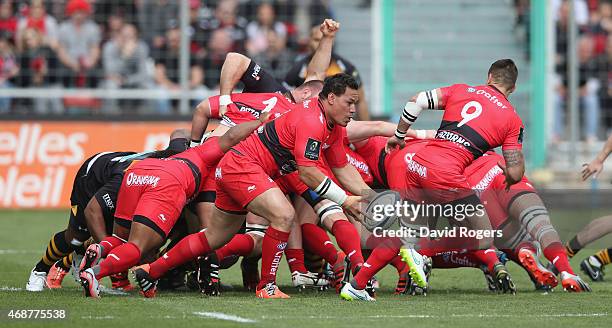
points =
(381, 211)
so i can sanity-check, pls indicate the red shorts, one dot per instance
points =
(241, 180)
(209, 183)
(153, 194)
(428, 184)
(505, 198)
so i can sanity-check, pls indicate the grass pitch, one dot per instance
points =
(458, 298)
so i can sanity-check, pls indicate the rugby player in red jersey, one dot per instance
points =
(245, 179)
(151, 198)
(475, 120)
(522, 216)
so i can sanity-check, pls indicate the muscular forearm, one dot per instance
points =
(311, 176)
(237, 134)
(320, 60)
(95, 220)
(233, 68)
(199, 122)
(351, 180)
(605, 152)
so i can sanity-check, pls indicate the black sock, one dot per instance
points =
(572, 247)
(58, 248)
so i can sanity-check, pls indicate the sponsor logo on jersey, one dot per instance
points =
(244, 108)
(256, 71)
(484, 183)
(108, 201)
(414, 166)
(162, 217)
(251, 188)
(306, 103)
(313, 148)
(459, 259)
(359, 165)
(453, 137)
(470, 90)
(142, 180)
(520, 136)
(493, 99)
(218, 173)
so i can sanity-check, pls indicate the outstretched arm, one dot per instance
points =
(320, 60)
(357, 131)
(596, 165)
(239, 132)
(423, 100)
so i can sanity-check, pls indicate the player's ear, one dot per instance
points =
(511, 90)
(306, 93)
(489, 78)
(331, 98)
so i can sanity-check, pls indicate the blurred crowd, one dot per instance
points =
(594, 56)
(135, 44)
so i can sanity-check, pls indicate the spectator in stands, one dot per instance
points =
(107, 9)
(8, 20)
(276, 59)
(8, 69)
(601, 25)
(79, 46)
(588, 93)
(257, 31)
(125, 65)
(198, 34)
(113, 26)
(38, 69)
(167, 76)
(226, 18)
(338, 64)
(581, 10)
(605, 78)
(155, 17)
(37, 18)
(219, 45)
(309, 13)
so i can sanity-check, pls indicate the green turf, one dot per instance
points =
(458, 297)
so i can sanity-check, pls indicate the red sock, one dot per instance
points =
(295, 258)
(348, 240)
(108, 244)
(272, 249)
(189, 248)
(487, 257)
(120, 259)
(398, 263)
(449, 260)
(555, 253)
(380, 257)
(316, 240)
(241, 245)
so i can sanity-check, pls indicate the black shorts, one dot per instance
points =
(86, 187)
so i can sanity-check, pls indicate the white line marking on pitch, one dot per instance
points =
(106, 317)
(10, 289)
(223, 316)
(17, 251)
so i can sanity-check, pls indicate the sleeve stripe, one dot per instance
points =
(430, 100)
